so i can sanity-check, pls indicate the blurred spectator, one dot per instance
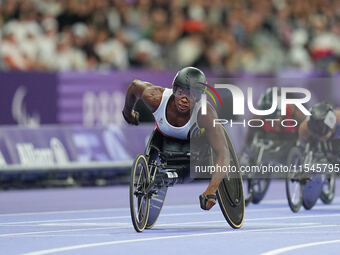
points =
(258, 36)
(9, 48)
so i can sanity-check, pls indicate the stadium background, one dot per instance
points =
(65, 67)
(65, 151)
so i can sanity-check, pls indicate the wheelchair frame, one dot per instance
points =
(165, 168)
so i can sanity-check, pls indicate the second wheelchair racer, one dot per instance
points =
(323, 125)
(274, 130)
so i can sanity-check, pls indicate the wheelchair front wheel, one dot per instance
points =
(139, 197)
(259, 189)
(294, 183)
(328, 190)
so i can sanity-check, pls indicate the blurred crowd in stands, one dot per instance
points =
(257, 36)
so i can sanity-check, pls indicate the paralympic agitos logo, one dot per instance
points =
(277, 102)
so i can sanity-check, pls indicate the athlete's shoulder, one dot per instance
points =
(152, 96)
(297, 114)
(206, 120)
(303, 129)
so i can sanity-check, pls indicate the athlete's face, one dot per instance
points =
(184, 100)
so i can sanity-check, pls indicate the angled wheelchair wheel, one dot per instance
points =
(259, 186)
(156, 205)
(328, 190)
(139, 197)
(230, 192)
(158, 197)
(259, 189)
(159, 194)
(312, 191)
(294, 184)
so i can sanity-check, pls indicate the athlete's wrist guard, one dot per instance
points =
(136, 119)
(204, 198)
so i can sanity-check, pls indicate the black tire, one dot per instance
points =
(328, 190)
(294, 186)
(259, 189)
(230, 192)
(139, 199)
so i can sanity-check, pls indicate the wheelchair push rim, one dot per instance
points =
(139, 198)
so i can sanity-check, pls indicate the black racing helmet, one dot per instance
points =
(322, 120)
(266, 101)
(190, 78)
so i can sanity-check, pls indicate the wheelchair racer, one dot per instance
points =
(274, 130)
(323, 125)
(176, 113)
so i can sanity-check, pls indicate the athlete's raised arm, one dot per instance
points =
(150, 94)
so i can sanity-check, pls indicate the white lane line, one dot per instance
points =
(63, 212)
(295, 217)
(127, 225)
(165, 215)
(302, 232)
(92, 210)
(252, 207)
(101, 218)
(110, 224)
(87, 210)
(172, 214)
(55, 231)
(257, 219)
(63, 220)
(264, 231)
(82, 246)
(107, 224)
(127, 217)
(214, 221)
(264, 219)
(299, 246)
(69, 235)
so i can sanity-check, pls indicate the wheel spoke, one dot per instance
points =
(294, 193)
(140, 174)
(140, 206)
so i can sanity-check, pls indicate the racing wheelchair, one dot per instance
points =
(166, 162)
(310, 176)
(264, 150)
